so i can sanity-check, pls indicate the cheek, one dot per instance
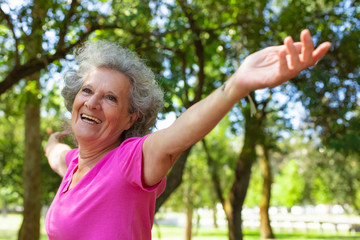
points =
(76, 106)
(114, 117)
(117, 118)
(78, 101)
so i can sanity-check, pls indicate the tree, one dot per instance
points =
(30, 229)
(202, 32)
(265, 227)
(195, 191)
(289, 185)
(193, 46)
(193, 59)
(11, 153)
(40, 33)
(330, 92)
(332, 178)
(260, 24)
(221, 157)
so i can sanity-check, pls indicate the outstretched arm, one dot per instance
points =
(55, 151)
(269, 67)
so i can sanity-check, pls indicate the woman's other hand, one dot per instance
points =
(56, 150)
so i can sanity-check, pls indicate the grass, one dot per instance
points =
(10, 224)
(177, 233)
(303, 236)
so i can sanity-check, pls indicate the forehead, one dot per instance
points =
(107, 78)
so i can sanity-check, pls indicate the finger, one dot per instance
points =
(60, 135)
(298, 46)
(49, 130)
(64, 133)
(307, 50)
(293, 52)
(283, 63)
(320, 51)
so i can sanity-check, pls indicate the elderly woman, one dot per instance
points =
(111, 181)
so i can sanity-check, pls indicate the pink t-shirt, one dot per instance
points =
(109, 202)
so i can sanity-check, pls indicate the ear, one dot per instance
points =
(132, 119)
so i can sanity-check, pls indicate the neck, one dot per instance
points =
(89, 155)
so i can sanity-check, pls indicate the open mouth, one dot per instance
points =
(89, 119)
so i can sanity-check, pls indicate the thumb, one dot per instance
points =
(60, 135)
(320, 51)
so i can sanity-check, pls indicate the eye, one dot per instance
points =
(111, 98)
(86, 90)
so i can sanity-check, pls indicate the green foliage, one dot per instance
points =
(321, 192)
(330, 90)
(253, 195)
(197, 188)
(223, 147)
(193, 47)
(333, 178)
(289, 186)
(11, 148)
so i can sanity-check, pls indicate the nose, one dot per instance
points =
(93, 102)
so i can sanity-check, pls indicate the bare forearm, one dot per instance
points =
(269, 67)
(162, 148)
(201, 118)
(56, 153)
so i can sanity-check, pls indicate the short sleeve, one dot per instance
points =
(131, 164)
(71, 155)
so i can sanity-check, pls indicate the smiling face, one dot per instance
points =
(101, 108)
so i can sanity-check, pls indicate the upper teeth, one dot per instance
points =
(91, 118)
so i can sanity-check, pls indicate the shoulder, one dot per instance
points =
(132, 144)
(71, 156)
(133, 140)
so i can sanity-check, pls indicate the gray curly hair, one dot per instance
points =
(145, 97)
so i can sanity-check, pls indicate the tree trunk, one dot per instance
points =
(189, 217)
(233, 205)
(265, 227)
(214, 210)
(238, 194)
(228, 208)
(174, 179)
(242, 173)
(4, 210)
(30, 228)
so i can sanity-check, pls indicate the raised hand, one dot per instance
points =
(56, 150)
(275, 65)
(266, 68)
(54, 139)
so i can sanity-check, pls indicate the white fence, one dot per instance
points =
(306, 223)
(304, 219)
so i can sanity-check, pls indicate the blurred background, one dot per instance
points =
(290, 171)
